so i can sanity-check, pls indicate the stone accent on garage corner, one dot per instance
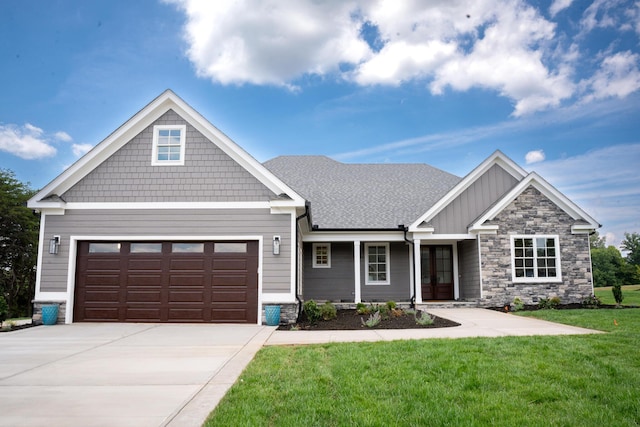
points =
(288, 313)
(533, 213)
(37, 310)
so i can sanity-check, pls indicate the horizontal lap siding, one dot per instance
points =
(335, 283)
(184, 222)
(399, 289)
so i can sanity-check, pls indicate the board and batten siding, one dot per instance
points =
(469, 264)
(208, 174)
(276, 269)
(336, 283)
(472, 202)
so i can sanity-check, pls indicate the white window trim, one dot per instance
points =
(315, 257)
(536, 279)
(154, 154)
(387, 265)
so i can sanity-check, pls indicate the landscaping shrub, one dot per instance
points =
(591, 301)
(312, 311)
(424, 319)
(361, 308)
(391, 305)
(373, 320)
(517, 304)
(617, 293)
(328, 311)
(549, 303)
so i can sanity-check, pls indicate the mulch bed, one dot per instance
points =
(351, 320)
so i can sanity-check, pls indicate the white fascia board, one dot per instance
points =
(285, 204)
(50, 297)
(535, 180)
(497, 158)
(442, 237)
(168, 205)
(346, 236)
(140, 121)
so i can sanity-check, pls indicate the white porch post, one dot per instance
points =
(356, 271)
(456, 274)
(418, 273)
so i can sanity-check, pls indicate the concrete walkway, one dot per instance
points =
(97, 374)
(474, 322)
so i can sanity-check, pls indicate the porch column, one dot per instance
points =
(356, 271)
(418, 272)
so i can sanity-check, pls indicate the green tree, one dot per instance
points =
(19, 228)
(631, 243)
(606, 263)
(597, 242)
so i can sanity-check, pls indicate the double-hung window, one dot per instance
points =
(322, 255)
(377, 263)
(535, 259)
(168, 145)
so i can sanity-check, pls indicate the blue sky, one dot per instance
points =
(553, 84)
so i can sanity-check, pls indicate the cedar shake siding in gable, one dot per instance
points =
(530, 214)
(208, 174)
(276, 269)
(484, 192)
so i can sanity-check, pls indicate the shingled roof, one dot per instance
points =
(362, 196)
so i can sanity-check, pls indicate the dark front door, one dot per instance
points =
(437, 272)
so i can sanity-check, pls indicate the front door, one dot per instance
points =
(437, 272)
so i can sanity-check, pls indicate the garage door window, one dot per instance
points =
(229, 247)
(190, 248)
(146, 248)
(104, 248)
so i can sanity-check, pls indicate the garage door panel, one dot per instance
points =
(172, 283)
(144, 264)
(186, 296)
(183, 263)
(144, 296)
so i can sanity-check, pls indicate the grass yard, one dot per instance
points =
(631, 295)
(588, 380)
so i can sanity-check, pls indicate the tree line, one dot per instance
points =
(610, 268)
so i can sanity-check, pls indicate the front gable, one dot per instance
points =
(240, 167)
(207, 175)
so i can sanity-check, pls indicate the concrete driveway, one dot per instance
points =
(120, 374)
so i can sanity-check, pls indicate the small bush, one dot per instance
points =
(591, 301)
(424, 319)
(397, 312)
(517, 304)
(312, 311)
(328, 311)
(410, 311)
(617, 293)
(391, 305)
(549, 303)
(361, 308)
(373, 320)
(383, 310)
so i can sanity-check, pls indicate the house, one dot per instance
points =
(168, 220)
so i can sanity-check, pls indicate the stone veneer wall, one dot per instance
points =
(37, 310)
(533, 213)
(288, 313)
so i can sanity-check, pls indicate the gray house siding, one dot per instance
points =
(177, 222)
(485, 191)
(335, 283)
(208, 174)
(530, 214)
(400, 273)
(469, 270)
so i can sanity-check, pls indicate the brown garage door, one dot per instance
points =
(167, 282)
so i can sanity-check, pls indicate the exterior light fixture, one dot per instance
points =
(54, 245)
(276, 245)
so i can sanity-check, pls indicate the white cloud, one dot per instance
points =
(534, 156)
(81, 149)
(62, 136)
(505, 46)
(26, 142)
(618, 76)
(558, 6)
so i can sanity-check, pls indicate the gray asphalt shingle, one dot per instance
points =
(363, 196)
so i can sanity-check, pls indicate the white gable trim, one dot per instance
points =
(536, 181)
(497, 158)
(140, 121)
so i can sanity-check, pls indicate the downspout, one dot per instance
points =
(413, 266)
(298, 218)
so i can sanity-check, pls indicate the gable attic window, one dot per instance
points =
(322, 255)
(168, 145)
(535, 259)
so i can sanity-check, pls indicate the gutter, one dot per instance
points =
(413, 266)
(297, 276)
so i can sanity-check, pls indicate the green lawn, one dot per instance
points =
(588, 380)
(630, 293)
